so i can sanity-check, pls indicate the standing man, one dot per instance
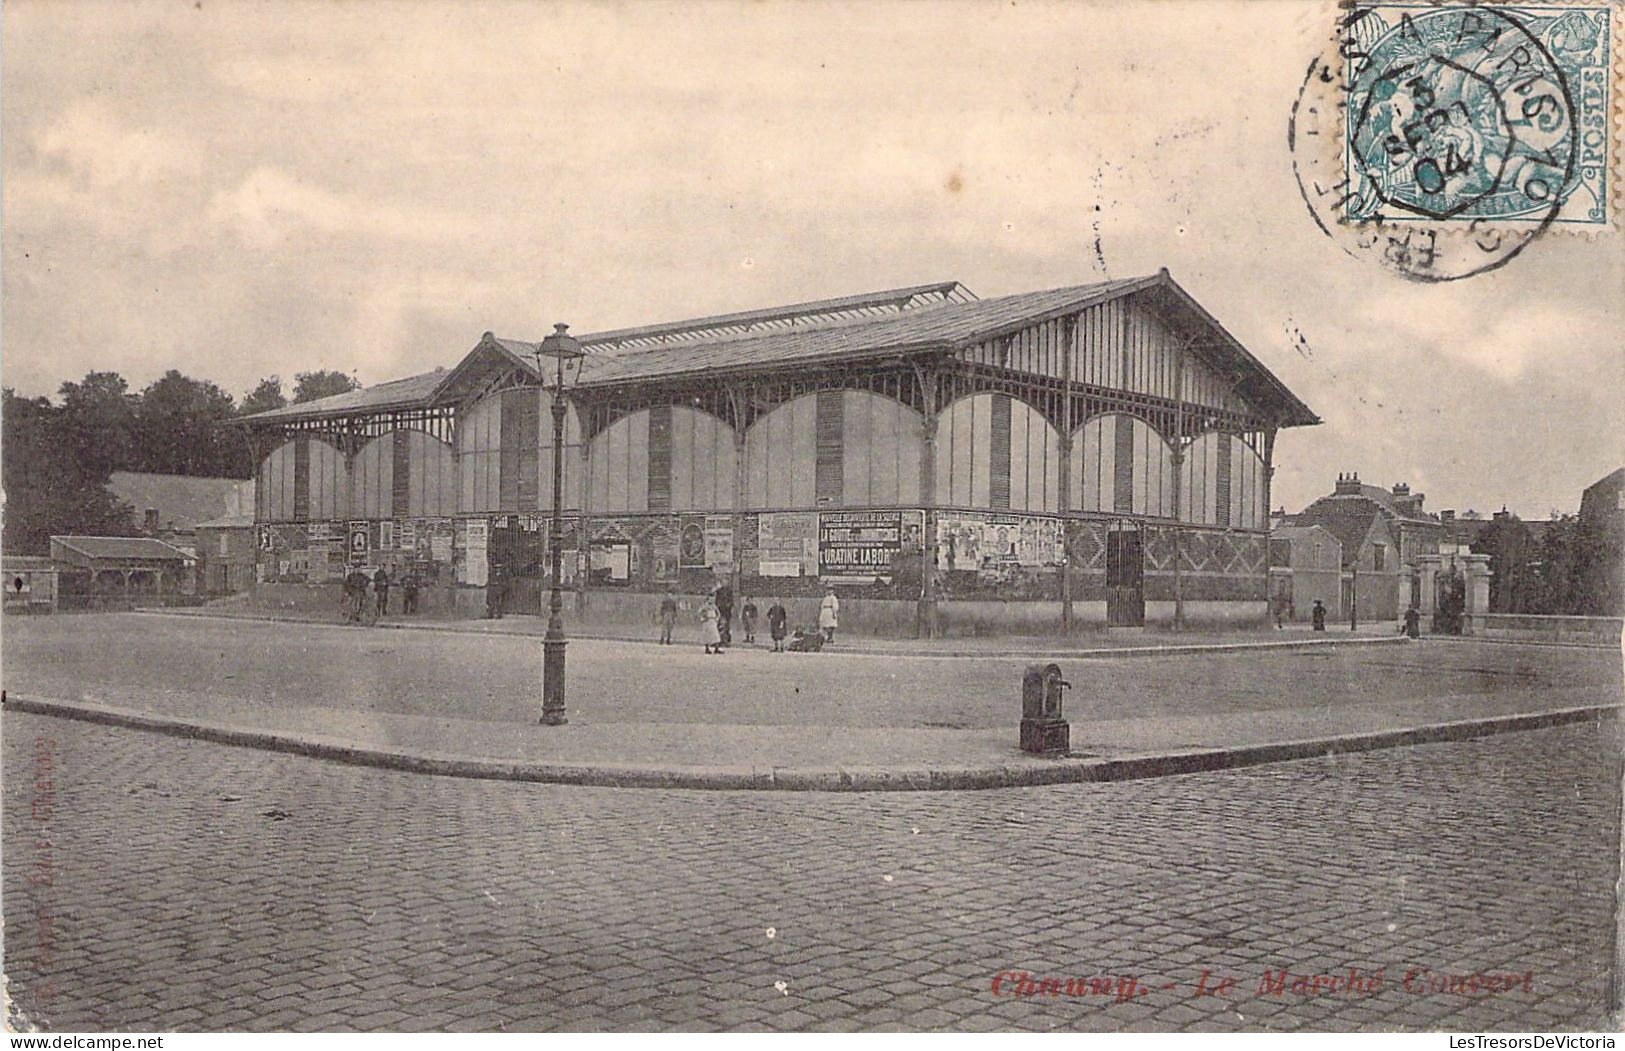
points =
(355, 594)
(409, 592)
(380, 587)
(747, 620)
(776, 618)
(725, 613)
(1413, 623)
(1317, 616)
(829, 615)
(668, 617)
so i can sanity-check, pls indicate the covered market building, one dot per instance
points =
(1094, 455)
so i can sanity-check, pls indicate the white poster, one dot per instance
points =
(719, 540)
(476, 565)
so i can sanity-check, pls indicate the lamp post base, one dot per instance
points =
(553, 712)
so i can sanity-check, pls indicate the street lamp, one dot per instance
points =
(566, 352)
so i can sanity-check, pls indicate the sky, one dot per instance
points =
(243, 189)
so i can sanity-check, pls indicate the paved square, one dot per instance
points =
(158, 883)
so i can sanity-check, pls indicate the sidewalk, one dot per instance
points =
(1112, 642)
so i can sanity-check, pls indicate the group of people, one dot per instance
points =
(356, 583)
(716, 622)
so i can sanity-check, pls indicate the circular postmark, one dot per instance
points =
(1438, 141)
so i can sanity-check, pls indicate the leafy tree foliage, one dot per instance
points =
(323, 383)
(183, 427)
(265, 397)
(49, 488)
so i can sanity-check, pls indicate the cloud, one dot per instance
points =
(271, 207)
(89, 146)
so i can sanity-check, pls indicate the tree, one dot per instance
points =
(184, 426)
(323, 383)
(97, 423)
(263, 398)
(1515, 584)
(48, 490)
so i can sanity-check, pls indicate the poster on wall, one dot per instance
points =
(857, 547)
(691, 541)
(476, 564)
(969, 541)
(667, 555)
(409, 536)
(439, 538)
(360, 543)
(719, 540)
(787, 544)
(267, 539)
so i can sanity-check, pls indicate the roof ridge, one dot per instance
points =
(786, 312)
(710, 339)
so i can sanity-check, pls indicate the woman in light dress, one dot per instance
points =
(713, 630)
(829, 615)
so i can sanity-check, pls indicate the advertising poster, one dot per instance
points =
(968, 541)
(787, 544)
(360, 543)
(386, 535)
(719, 540)
(691, 541)
(440, 540)
(409, 536)
(857, 547)
(476, 564)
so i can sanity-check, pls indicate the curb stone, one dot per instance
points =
(790, 779)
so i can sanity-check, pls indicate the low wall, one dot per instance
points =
(1601, 631)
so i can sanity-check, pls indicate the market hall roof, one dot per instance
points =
(940, 317)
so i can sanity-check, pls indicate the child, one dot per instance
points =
(776, 618)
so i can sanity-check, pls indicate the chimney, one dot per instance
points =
(1408, 502)
(150, 521)
(1447, 517)
(1348, 484)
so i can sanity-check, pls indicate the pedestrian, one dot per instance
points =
(409, 592)
(1317, 616)
(1413, 623)
(355, 594)
(668, 617)
(776, 619)
(495, 592)
(708, 621)
(829, 615)
(380, 587)
(725, 613)
(1280, 611)
(747, 620)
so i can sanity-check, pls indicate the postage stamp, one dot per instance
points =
(1479, 113)
(1441, 139)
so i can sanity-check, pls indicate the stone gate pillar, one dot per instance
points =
(1478, 591)
(1427, 568)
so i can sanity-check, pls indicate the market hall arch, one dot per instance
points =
(304, 479)
(1225, 482)
(662, 458)
(838, 448)
(995, 450)
(1121, 464)
(403, 473)
(505, 453)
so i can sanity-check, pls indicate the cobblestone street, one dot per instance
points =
(156, 883)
